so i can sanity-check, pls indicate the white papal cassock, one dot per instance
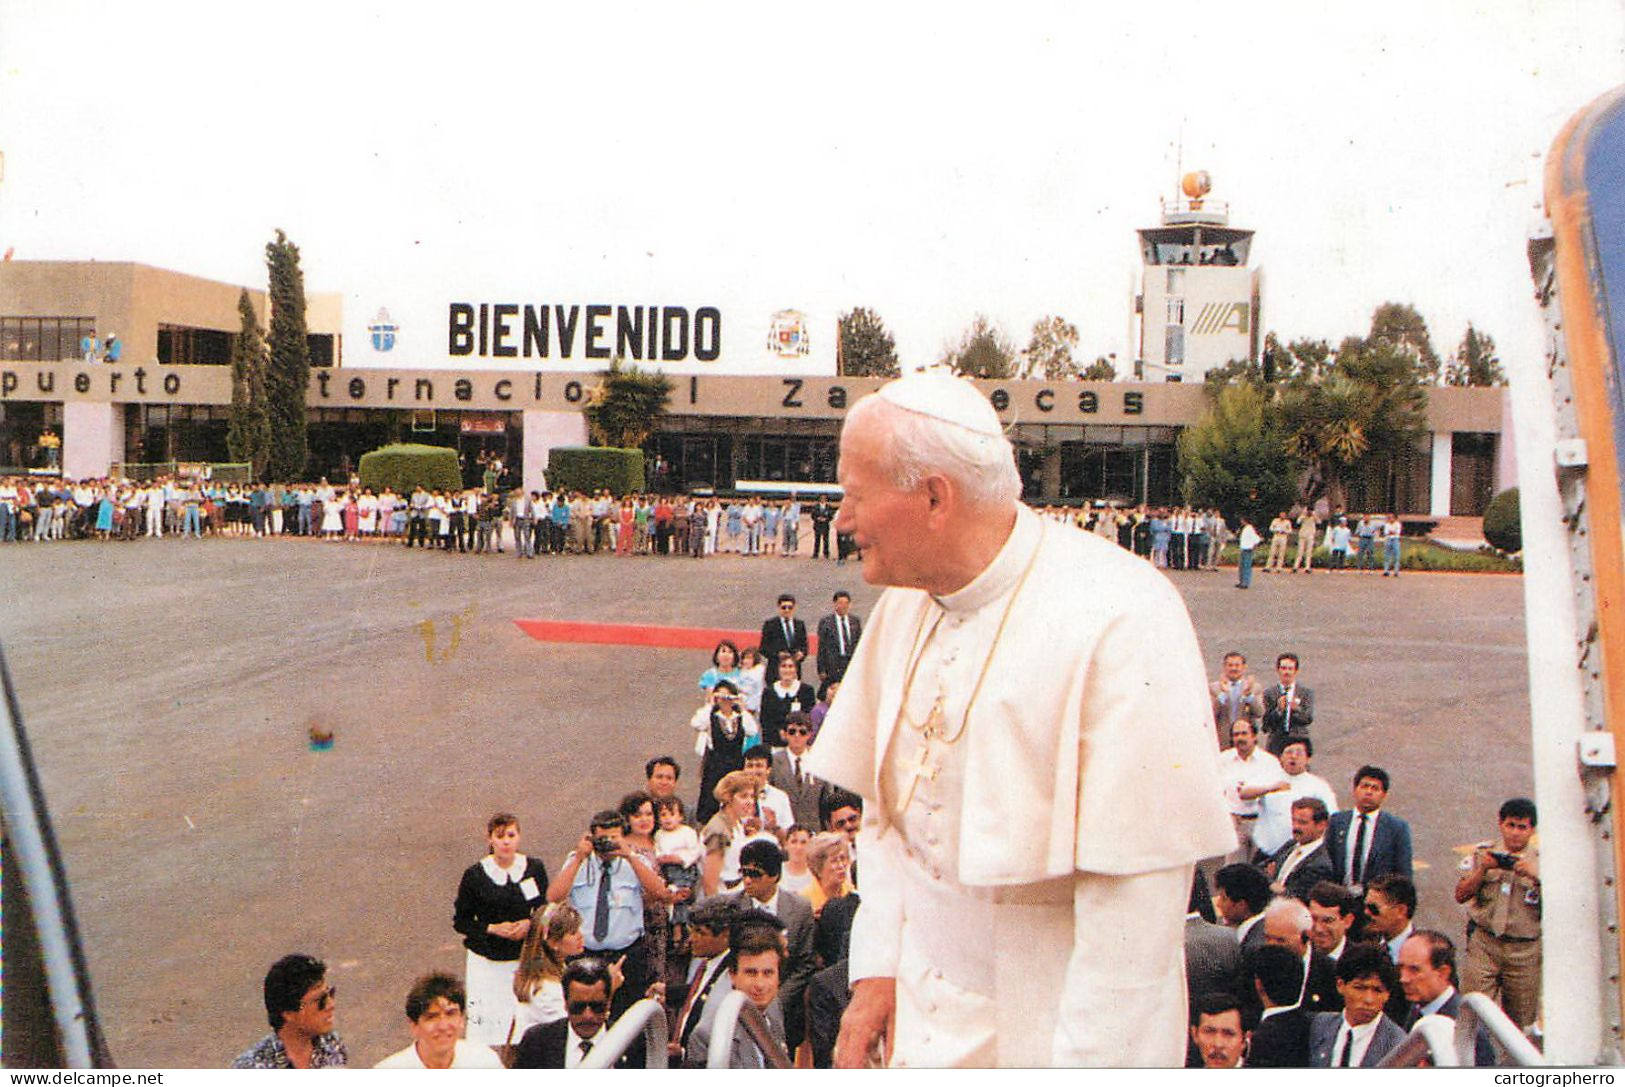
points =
(1025, 871)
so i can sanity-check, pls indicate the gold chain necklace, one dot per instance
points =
(930, 730)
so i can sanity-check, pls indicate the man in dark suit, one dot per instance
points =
(1303, 862)
(1240, 894)
(1281, 1038)
(760, 865)
(709, 925)
(1289, 706)
(806, 792)
(565, 1043)
(1367, 842)
(838, 635)
(1287, 924)
(1212, 955)
(1427, 973)
(1360, 1035)
(784, 633)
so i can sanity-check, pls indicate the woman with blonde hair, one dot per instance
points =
(555, 938)
(734, 824)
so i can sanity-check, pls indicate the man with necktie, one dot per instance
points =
(567, 1042)
(1235, 694)
(606, 883)
(1367, 842)
(784, 633)
(1289, 706)
(838, 635)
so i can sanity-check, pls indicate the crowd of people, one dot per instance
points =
(751, 885)
(1311, 947)
(530, 523)
(474, 519)
(1306, 946)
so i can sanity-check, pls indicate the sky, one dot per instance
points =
(932, 164)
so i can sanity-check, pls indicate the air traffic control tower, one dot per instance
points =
(1199, 303)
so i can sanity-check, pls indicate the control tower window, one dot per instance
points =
(1174, 345)
(1176, 281)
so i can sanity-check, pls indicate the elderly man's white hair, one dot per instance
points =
(937, 424)
(1293, 910)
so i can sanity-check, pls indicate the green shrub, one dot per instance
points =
(1502, 525)
(587, 468)
(404, 467)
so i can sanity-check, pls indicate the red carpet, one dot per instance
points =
(545, 630)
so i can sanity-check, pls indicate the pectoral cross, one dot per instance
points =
(924, 769)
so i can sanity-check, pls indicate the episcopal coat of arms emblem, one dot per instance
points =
(787, 335)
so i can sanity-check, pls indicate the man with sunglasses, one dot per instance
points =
(566, 1043)
(761, 863)
(784, 633)
(805, 792)
(299, 1005)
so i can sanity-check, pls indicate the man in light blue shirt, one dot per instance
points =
(606, 882)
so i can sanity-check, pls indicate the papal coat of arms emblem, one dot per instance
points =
(787, 335)
(383, 331)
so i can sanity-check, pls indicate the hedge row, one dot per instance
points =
(403, 468)
(589, 468)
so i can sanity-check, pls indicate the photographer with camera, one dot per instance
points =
(1500, 886)
(607, 884)
(724, 728)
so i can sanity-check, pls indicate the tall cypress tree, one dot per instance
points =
(248, 435)
(289, 370)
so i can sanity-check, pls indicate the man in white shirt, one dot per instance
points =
(772, 803)
(1274, 826)
(1248, 772)
(436, 1007)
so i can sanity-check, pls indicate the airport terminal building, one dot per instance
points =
(757, 397)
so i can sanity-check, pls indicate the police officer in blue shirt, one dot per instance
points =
(607, 884)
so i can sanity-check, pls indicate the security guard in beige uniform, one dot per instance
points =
(1500, 886)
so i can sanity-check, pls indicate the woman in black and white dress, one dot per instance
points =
(787, 695)
(494, 904)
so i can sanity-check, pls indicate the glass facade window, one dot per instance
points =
(1174, 345)
(179, 345)
(43, 339)
(1176, 311)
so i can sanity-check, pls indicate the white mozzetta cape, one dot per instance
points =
(1091, 747)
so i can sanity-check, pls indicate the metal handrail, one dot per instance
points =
(35, 860)
(646, 1017)
(1443, 1042)
(736, 1011)
(1431, 1042)
(1478, 1010)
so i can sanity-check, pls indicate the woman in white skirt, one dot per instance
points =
(494, 904)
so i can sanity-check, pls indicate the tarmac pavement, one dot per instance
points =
(168, 686)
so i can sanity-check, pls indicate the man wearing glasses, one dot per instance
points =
(566, 1043)
(784, 633)
(805, 792)
(299, 1004)
(761, 864)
